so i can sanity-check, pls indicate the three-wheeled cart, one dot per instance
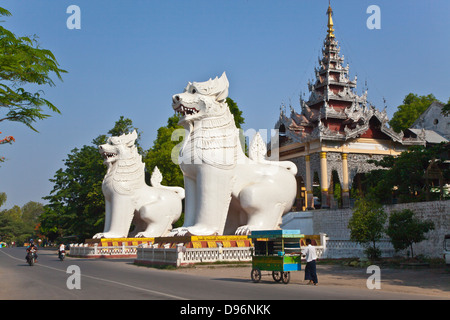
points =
(278, 251)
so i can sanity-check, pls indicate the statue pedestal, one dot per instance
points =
(118, 242)
(109, 248)
(171, 242)
(198, 242)
(189, 250)
(127, 247)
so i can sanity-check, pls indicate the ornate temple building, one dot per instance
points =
(335, 133)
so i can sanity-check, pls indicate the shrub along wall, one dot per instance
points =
(334, 223)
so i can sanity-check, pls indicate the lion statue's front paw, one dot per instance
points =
(107, 235)
(148, 235)
(99, 236)
(141, 235)
(178, 232)
(243, 231)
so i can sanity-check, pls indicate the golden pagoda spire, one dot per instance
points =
(330, 21)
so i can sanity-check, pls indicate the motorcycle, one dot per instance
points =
(31, 257)
(61, 255)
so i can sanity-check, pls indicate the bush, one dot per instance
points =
(405, 229)
(367, 225)
(373, 253)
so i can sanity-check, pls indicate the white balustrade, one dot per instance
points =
(153, 254)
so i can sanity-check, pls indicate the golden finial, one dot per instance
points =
(330, 21)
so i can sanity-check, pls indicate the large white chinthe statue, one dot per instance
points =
(226, 191)
(127, 196)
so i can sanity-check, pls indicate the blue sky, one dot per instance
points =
(130, 57)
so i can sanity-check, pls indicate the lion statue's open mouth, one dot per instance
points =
(109, 156)
(226, 191)
(183, 111)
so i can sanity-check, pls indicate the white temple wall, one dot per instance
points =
(334, 223)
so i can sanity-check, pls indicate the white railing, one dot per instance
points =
(344, 248)
(182, 256)
(83, 250)
(328, 249)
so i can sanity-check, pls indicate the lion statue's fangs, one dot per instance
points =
(127, 196)
(226, 191)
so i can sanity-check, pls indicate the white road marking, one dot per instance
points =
(105, 280)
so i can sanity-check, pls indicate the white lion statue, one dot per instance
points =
(127, 196)
(226, 191)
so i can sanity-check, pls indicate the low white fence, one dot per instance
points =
(328, 249)
(345, 248)
(83, 250)
(183, 256)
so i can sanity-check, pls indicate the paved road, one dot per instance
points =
(121, 280)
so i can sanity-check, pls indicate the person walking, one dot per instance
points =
(311, 257)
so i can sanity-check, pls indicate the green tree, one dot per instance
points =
(31, 212)
(163, 151)
(446, 109)
(413, 106)
(367, 225)
(3, 198)
(405, 229)
(76, 202)
(237, 113)
(18, 224)
(404, 174)
(22, 62)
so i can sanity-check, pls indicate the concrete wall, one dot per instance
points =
(433, 119)
(334, 223)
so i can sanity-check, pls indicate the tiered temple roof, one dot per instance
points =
(334, 111)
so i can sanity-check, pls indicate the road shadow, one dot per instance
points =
(232, 279)
(434, 278)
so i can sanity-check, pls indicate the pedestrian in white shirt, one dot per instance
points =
(310, 269)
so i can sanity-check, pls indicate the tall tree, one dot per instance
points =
(446, 108)
(413, 106)
(76, 202)
(3, 198)
(237, 113)
(22, 62)
(163, 152)
(405, 173)
(19, 224)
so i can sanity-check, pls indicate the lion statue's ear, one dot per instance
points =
(131, 138)
(223, 84)
(217, 88)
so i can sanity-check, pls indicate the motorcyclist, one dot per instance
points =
(61, 249)
(30, 248)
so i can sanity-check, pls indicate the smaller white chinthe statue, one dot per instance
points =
(127, 196)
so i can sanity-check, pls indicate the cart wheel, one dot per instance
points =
(276, 275)
(256, 275)
(285, 277)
